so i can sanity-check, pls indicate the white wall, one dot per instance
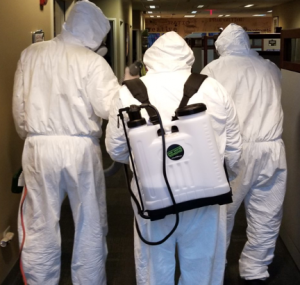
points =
(288, 14)
(290, 229)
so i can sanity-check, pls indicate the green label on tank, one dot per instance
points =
(175, 152)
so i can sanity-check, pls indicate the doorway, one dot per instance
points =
(60, 14)
(110, 44)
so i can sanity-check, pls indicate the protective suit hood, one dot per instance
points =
(170, 52)
(234, 41)
(87, 24)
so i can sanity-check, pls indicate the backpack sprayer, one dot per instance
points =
(178, 165)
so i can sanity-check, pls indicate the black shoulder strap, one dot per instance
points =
(191, 87)
(139, 91)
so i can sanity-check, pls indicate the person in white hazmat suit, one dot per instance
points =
(201, 233)
(255, 86)
(62, 89)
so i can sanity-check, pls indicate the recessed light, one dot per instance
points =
(270, 11)
(152, 6)
(189, 16)
(259, 15)
(194, 12)
(149, 12)
(227, 15)
(200, 6)
(220, 15)
(249, 5)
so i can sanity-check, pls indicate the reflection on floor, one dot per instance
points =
(120, 262)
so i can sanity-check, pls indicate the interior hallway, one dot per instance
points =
(120, 262)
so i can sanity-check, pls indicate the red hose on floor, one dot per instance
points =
(23, 239)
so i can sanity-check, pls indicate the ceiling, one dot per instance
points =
(211, 8)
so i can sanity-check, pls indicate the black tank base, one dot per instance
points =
(189, 205)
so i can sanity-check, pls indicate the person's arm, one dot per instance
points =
(18, 104)
(233, 148)
(115, 140)
(101, 87)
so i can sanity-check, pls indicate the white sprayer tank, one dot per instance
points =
(193, 163)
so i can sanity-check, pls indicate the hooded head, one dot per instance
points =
(233, 40)
(87, 24)
(169, 52)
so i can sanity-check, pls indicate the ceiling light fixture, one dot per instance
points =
(249, 5)
(151, 16)
(158, 16)
(220, 15)
(152, 6)
(259, 15)
(194, 12)
(149, 12)
(270, 11)
(227, 15)
(189, 16)
(200, 6)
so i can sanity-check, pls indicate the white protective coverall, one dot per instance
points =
(201, 234)
(62, 90)
(255, 86)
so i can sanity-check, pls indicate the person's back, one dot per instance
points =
(66, 87)
(255, 87)
(62, 89)
(200, 235)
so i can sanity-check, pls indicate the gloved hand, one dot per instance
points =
(128, 76)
